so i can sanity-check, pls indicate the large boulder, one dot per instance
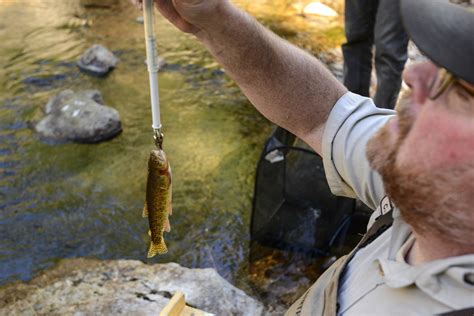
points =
(122, 287)
(97, 60)
(79, 117)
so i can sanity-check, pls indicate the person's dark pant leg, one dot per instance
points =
(357, 51)
(391, 43)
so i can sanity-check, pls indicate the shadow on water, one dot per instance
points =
(70, 200)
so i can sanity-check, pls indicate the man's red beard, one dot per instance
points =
(430, 201)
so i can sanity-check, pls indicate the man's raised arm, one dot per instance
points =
(287, 85)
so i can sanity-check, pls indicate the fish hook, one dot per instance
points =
(158, 137)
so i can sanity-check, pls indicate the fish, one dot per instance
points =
(158, 201)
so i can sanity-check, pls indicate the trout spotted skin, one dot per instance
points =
(158, 201)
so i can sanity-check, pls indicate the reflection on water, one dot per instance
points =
(287, 18)
(70, 200)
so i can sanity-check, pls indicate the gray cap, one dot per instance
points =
(444, 32)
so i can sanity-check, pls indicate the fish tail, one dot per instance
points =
(157, 249)
(145, 210)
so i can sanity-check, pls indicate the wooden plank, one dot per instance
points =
(189, 311)
(175, 306)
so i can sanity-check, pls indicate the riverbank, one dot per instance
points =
(122, 287)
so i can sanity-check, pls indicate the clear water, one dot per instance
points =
(75, 200)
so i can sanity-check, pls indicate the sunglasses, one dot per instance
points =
(443, 81)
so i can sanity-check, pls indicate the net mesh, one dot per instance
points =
(293, 207)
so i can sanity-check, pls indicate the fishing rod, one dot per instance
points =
(153, 66)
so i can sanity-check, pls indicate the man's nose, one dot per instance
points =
(420, 77)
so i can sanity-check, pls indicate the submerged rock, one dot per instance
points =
(58, 100)
(98, 3)
(97, 60)
(79, 117)
(45, 80)
(122, 287)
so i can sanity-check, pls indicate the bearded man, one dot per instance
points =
(417, 257)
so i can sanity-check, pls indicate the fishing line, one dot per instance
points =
(153, 67)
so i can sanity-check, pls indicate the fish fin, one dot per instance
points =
(157, 249)
(149, 232)
(170, 204)
(145, 210)
(167, 226)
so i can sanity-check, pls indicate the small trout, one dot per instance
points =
(158, 201)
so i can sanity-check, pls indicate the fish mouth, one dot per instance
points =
(158, 159)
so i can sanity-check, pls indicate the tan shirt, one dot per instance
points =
(376, 281)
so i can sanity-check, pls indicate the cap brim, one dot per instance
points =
(444, 32)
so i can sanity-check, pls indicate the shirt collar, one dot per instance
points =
(443, 280)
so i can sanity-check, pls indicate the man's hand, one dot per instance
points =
(190, 16)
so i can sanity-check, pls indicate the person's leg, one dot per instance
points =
(391, 43)
(357, 51)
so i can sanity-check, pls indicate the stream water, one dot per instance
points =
(75, 200)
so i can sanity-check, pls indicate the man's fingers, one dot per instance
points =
(168, 10)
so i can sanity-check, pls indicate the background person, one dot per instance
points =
(418, 255)
(370, 23)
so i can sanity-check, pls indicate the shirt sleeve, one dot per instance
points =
(351, 123)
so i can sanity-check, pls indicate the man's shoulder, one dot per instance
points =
(351, 123)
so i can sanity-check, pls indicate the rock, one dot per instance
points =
(92, 94)
(140, 19)
(122, 287)
(56, 102)
(98, 3)
(97, 60)
(79, 117)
